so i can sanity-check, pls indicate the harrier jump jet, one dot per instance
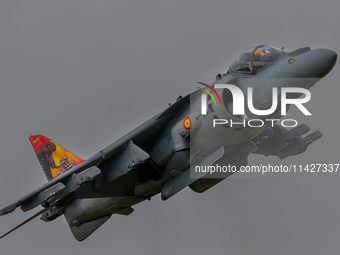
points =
(160, 155)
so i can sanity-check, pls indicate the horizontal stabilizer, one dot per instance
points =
(54, 190)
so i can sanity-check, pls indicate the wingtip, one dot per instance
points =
(7, 209)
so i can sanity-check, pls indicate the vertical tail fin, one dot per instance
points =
(54, 159)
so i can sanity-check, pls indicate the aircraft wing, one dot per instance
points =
(61, 186)
(281, 142)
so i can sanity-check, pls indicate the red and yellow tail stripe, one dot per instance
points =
(54, 159)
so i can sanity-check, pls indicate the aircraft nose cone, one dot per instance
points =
(317, 63)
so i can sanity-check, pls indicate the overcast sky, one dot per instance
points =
(84, 73)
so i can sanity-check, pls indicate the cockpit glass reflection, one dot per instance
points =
(255, 58)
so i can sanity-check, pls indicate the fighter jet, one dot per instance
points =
(203, 129)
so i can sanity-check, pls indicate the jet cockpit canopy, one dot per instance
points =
(255, 58)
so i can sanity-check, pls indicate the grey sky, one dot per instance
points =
(84, 73)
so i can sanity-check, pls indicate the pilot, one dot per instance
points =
(257, 60)
(256, 68)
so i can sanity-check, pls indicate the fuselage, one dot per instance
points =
(173, 150)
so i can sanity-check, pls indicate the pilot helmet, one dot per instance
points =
(257, 55)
